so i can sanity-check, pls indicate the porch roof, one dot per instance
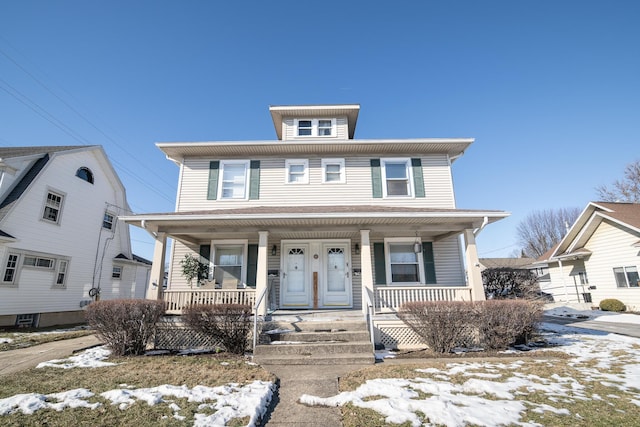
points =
(314, 221)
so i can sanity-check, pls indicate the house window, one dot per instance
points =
(316, 127)
(107, 221)
(333, 171)
(229, 266)
(396, 175)
(85, 174)
(404, 262)
(52, 207)
(582, 275)
(233, 184)
(116, 273)
(38, 262)
(627, 277)
(297, 171)
(11, 268)
(305, 127)
(62, 272)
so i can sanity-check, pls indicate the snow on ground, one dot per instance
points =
(218, 404)
(495, 393)
(5, 340)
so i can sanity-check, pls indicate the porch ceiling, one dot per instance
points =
(313, 222)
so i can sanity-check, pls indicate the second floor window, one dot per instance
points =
(396, 177)
(233, 184)
(333, 171)
(107, 222)
(297, 171)
(52, 207)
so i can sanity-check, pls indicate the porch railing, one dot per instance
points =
(176, 301)
(389, 299)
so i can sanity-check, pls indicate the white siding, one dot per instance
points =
(79, 236)
(564, 284)
(449, 270)
(611, 247)
(356, 191)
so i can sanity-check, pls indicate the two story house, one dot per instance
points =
(317, 219)
(61, 245)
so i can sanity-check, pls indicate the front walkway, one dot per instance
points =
(12, 361)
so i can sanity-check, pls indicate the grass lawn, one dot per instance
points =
(131, 373)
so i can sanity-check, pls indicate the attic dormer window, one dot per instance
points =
(85, 174)
(316, 127)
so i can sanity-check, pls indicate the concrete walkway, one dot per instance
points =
(12, 361)
(629, 329)
(296, 380)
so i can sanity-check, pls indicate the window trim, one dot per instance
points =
(62, 196)
(626, 277)
(295, 162)
(388, 242)
(89, 174)
(229, 243)
(119, 273)
(343, 174)
(112, 223)
(315, 127)
(223, 165)
(409, 173)
(15, 268)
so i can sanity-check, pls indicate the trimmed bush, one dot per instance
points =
(492, 325)
(228, 323)
(125, 325)
(506, 322)
(612, 304)
(442, 325)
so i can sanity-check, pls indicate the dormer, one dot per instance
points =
(306, 122)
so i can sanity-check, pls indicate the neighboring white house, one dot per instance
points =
(319, 220)
(599, 257)
(61, 245)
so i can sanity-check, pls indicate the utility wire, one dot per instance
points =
(80, 115)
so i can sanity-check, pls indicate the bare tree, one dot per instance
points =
(625, 190)
(542, 230)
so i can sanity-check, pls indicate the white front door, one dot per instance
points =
(336, 277)
(295, 288)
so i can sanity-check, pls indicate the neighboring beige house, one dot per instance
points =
(61, 245)
(515, 263)
(599, 257)
(317, 219)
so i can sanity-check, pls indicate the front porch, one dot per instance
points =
(386, 299)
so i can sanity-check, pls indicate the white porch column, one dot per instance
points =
(261, 273)
(156, 279)
(366, 268)
(474, 275)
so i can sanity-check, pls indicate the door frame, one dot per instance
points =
(316, 262)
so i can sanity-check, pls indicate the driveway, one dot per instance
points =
(12, 361)
(629, 329)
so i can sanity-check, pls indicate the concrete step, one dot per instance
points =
(324, 359)
(317, 326)
(340, 336)
(314, 348)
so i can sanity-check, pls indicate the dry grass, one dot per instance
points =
(605, 405)
(138, 372)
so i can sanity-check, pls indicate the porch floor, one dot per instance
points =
(315, 315)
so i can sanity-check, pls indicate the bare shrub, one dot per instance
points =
(228, 323)
(125, 325)
(506, 322)
(442, 325)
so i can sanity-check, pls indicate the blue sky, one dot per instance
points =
(550, 90)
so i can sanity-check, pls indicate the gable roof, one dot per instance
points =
(572, 244)
(11, 152)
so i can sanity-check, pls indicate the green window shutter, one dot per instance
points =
(214, 171)
(252, 265)
(254, 180)
(376, 179)
(429, 263)
(379, 264)
(418, 179)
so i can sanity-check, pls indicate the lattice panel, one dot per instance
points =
(403, 337)
(174, 337)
